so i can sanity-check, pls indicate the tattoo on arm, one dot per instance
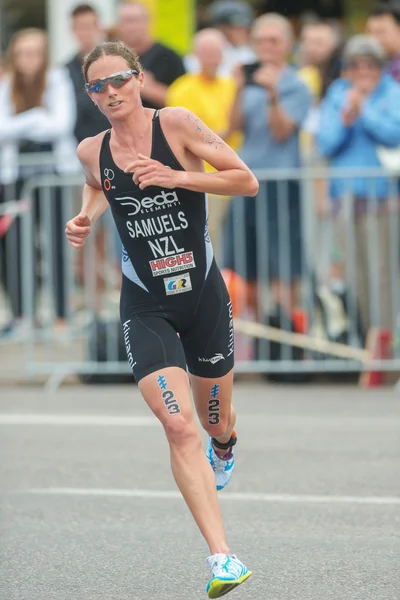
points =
(209, 137)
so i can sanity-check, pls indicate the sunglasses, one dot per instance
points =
(267, 39)
(117, 80)
(371, 65)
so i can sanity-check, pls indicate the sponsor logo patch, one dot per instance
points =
(149, 204)
(109, 176)
(126, 333)
(216, 358)
(178, 284)
(172, 264)
(231, 342)
(109, 173)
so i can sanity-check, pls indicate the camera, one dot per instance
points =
(249, 71)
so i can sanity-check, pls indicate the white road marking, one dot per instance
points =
(228, 496)
(95, 420)
(285, 423)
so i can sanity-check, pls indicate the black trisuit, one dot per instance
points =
(171, 283)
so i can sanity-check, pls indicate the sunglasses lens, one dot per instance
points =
(119, 80)
(95, 88)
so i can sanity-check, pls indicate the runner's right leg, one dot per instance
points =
(167, 392)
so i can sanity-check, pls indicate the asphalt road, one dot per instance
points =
(89, 509)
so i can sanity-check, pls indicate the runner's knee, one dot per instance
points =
(181, 430)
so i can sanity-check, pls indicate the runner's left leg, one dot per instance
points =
(213, 401)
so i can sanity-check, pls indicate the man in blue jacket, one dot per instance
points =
(359, 117)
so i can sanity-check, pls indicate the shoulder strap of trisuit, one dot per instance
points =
(161, 148)
(158, 139)
(105, 145)
(106, 140)
(156, 124)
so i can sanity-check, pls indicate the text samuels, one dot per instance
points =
(157, 225)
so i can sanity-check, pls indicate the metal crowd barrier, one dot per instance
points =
(311, 292)
(344, 265)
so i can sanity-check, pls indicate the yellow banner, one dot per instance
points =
(175, 24)
(172, 22)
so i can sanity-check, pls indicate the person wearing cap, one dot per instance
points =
(359, 116)
(234, 19)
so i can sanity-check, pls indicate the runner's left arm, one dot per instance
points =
(232, 176)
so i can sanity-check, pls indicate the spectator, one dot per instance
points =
(319, 64)
(87, 31)
(90, 121)
(270, 108)
(384, 26)
(234, 19)
(161, 64)
(210, 97)
(359, 115)
(319, 43)
(36, 115)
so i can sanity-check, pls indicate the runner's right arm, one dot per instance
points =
(94, 202)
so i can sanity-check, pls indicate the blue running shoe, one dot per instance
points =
(222, 467)
(227, 573)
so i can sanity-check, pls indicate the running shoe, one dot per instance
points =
(222, 467)
(227, 573)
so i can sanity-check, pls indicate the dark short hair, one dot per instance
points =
(83, 9)
(111, 49)
(383, 9)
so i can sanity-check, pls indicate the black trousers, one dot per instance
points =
(47, 244)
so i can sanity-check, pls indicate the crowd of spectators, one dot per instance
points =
(282, 98)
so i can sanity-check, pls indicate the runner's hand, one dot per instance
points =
(148, 172)
(77, 230)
